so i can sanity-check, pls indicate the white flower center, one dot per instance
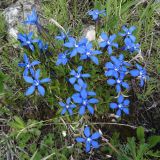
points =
(76, 45)
(28, 42)
(67, 106)
(88, 53)
(85, 102)
(28, 66)
(36, 82)
(120, 106)
(89, 139)
(118, 81)
(116, 69)
(108, 42)
(78, 75)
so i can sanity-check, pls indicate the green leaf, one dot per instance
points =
(153, 141)
(140, 134)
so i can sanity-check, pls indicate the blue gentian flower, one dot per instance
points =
(62, 58)
(78, 76)
(117, 66)
(96, 14)
(108, 42)
(121, 106)
(27, 65)
(84, 101)
(89, 140)
(141, 73)
(62, 37)
(67, 107)
(76, 47)
(32, 18)
(131, 46)
(128, 33)
(27, 41)
(119, 82)
(89, 53)
(42, 47)
(36, 83)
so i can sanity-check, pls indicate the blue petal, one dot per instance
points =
(109, 73)
(41, 90)
(76, 98)
(118, 113)
(68, 100)
(63, 111)
(87, 131)
(126, 102)
(68, 45)
(37, 74)
(30, 90)
(45, 80)
(91, 93)
(96, 135)
(125, 85)
(28, 79)
(85, 75)
(80, 82)
(93, 100)
(111, 81)
(109, 50)
(125, 110)
(21, 64)
(134, 72)
(103, 44)
(95, 144)
(120, 99)
(80, 139)
(132, 28)
(62, 104)
(77, 87)
(90, 109)
(81, 50)
(118, 88)
(109, 65)
(95, 60)
(72, 80)
(112, 37)
(82, 110)
(113, 105)
(35, 63)
(72, 106)
(104, 36)
(73, 53)
(79, 69)
(84, 93)
(88, 146)
(26, 60)
(25, 73)
(141, 82)
(73, 73)
(70, 111)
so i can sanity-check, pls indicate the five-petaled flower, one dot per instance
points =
(78, 75)
(131, 46)
(128, 33)
(141, 73)
(108, 42)
(27, 41)
(27, 65)
(89, 53)
(62, 37)
(74, 46)
(36, 83)
(42, 47)
(119, 82)
(84, 101)
(121, 106)
(62, 58)
(67, 107)
(96, 14)
(117, 66)
(32, 19)
(89, 139)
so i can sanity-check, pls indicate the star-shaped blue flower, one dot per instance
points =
(89, 53)
(108, 42)
(62, 37)
(131, 46)
(117, 66)
(78, 75)
(27, 65)
(36, 83)
(89, 140)
(96, 14)
(141, 73)
(62, 58)
(84, 101)
(119, 82)
(42, 47)
(27, 41)
(128, 33)
(74, 46)
(32, 19)
(121, 106)
(67, 107)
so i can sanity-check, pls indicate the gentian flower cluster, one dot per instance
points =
(89, 139)
(95, 14)
(83, 99)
